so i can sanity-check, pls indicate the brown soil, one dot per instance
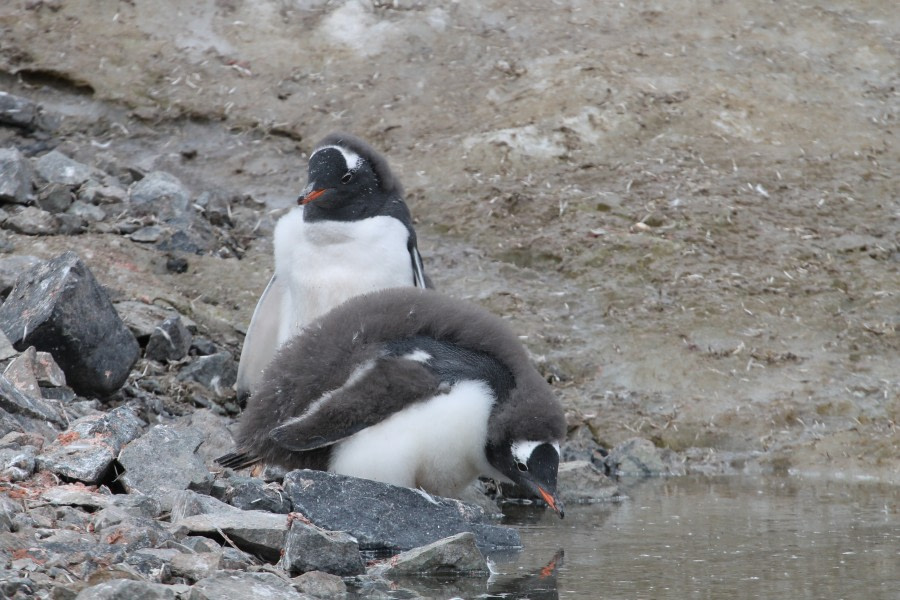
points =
(690, 210)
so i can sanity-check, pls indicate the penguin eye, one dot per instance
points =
(521, 466)
(348, 177)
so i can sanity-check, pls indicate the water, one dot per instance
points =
(694, 537)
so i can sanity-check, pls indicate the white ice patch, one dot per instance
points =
(418, 355)
(351, 159)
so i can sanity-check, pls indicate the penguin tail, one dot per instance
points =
(237, 460)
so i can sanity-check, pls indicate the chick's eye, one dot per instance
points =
(348, 177)
(521, 466)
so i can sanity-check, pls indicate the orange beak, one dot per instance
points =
(310, 197)
(551, 501)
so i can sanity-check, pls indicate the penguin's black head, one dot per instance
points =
(532, 465)
(347, 181)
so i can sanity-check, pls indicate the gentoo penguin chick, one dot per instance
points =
(350, 233)
(408, 387)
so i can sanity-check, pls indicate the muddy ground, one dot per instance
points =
(689, 209)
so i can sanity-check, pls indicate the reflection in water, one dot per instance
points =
(706, 538)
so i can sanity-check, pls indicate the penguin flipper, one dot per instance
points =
(420, 279)
(391, 384)
(260, 343)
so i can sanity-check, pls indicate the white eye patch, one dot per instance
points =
(351, 159)
(521, 451)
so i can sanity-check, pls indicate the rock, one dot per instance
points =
(31, 220)
(216, 372)
(201, 544)
(250, 493)
(47, 372)
(15, 176)
(164, 461)
(70, 224)
(217, 439)
(87, 212)
(309, 548)
(142, 318)
(59, 307)
(54, 197)
(160, 194)
(580, 482)
(17, 111)
(119, 589)
(9, 508)
(639, 457)
(148, 235)
(237, 560)
(202, 346)
(76, 494)
(252, 531)
(20, 372)
(13, 401)
(151, 567)
(391, 518)
(170, 340)
(56, 167)
(6, 348)
(241, 586)
(450, 557)
(86, 450)
(194, 567)
(93, 192)
(17, 464)
(177, 264)
(320, 585)
(188, 503)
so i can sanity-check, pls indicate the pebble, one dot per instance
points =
(161, 194)
(17, 111)
(170, 340)
(56, 167)
(16, 174)
(31, 220)
(55, 197)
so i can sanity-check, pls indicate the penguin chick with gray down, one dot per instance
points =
(407, 387)
(350, 233)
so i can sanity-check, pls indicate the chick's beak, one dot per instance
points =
(552, 501)
(309, 196)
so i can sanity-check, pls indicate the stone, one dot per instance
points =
(70, 224)
(6, 348)
(320, 585)
(216, 372)
(59, 307)
(94, 192)
(147, 235)
(119, 589)
(198, 543)
(47, 371)
(241, 586)
(54, 197)
(391, 518)
(169, 341)
(17, 111)
(142, 318)
(217, 439)
(160, 194)
(164, 461)
(188, 503)
(252, 531)
(148, 565)
(450, 557)
(13, 401)
(580, 482)
(31, 220)
(87, 449)
(17, 464)
(9, 508)
(56, 167)
(641, 458)
(250, 493)
(20, 372)
(194, 567)
(11, 267)
(16, 174)
(87, 212)
(237, 560)
(309, 548)
(202, 346)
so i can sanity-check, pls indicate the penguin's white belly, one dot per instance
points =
(437, 445)
(327, 263)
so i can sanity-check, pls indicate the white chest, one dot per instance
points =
(326, 263)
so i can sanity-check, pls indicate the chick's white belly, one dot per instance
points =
(437, 444)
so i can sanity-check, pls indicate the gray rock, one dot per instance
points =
(120, 589)
(70, 224)
(148, 235)
(31, 220)
(142, 318)
(450, 557)
(151, 567)
(54, 197)
(251, 493)
(86, 451)
(237, 560)
(639, 457)
(6, 347)
(59, 307)
(580, 482)
(9, 508)
(309, 548)
(17, 111)
(87, 212)
(17, 464)
(253, 531)
(194, 567)
(188, 503)
(93, 192)
(203, 346)
(200, 544)
(391, 517)
(216, 372)
(160, 194)
(56, 167)
(13, 401)
(164, 461)
(320, 585)
(170, 340)
(20, 372)
(15, 176)
(242, 586)
(217, 439)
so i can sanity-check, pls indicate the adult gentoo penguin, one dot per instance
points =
(409, 387)
(350, 233)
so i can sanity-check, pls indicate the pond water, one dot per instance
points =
(707, 538)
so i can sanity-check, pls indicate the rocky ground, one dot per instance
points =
(689, 210)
